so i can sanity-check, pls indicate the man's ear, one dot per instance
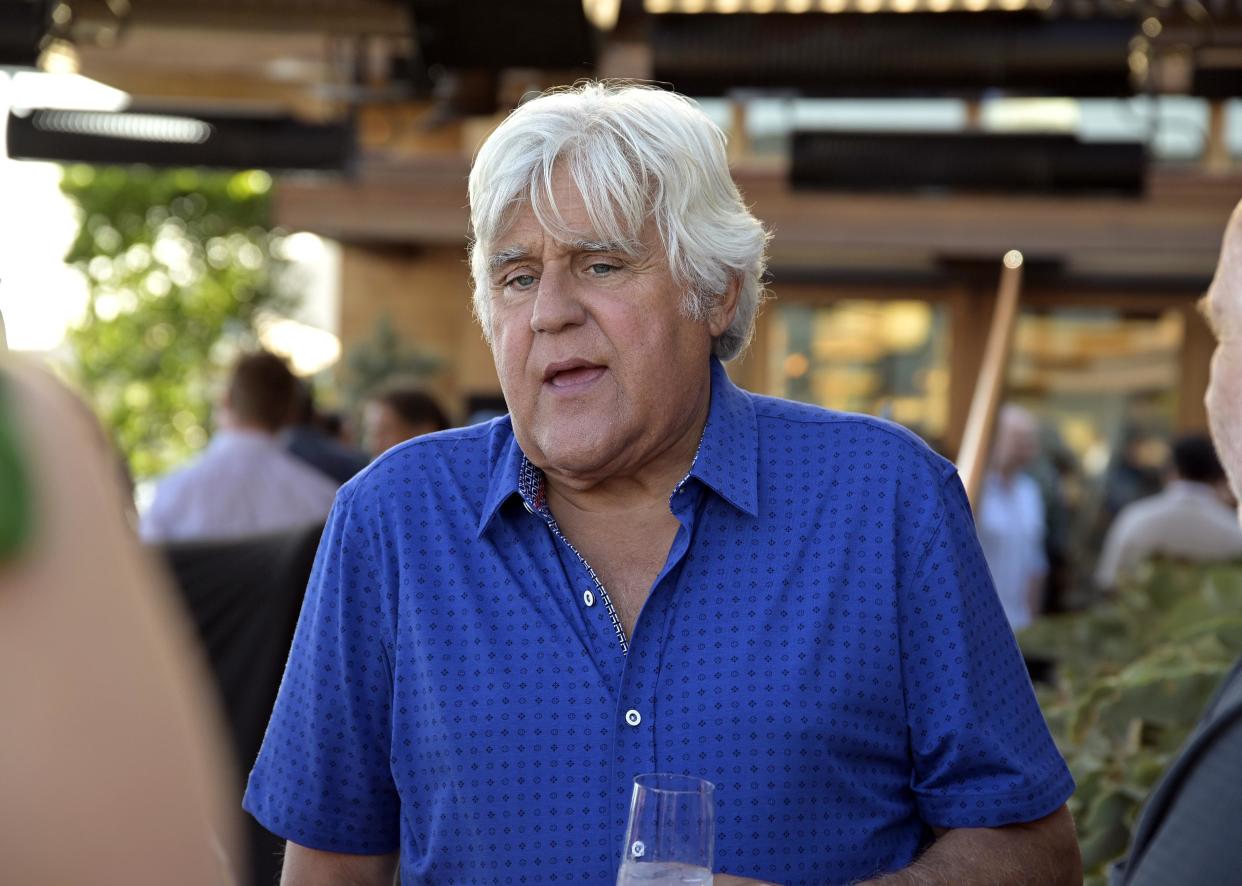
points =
(725, 308)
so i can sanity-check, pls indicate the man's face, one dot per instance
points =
(383, 428)
(1017, 441)
(601, 370)
(1223, 307)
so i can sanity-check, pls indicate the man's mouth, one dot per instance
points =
(572, 374)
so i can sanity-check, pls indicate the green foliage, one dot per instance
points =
(384, 356)
(178, 264)
(1133, 676)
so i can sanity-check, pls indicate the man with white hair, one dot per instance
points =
(645, 569)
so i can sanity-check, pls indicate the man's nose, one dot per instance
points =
(558, 302)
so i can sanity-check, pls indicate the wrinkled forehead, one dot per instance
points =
(564, 222)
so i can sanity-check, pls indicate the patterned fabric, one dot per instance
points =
(823, 643)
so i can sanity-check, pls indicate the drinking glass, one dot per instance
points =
(671, 834)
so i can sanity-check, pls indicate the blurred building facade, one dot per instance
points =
(897, 149)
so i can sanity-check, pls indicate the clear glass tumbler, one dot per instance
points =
(671, 835)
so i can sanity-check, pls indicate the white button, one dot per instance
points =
(588, 598)
(633, 717)
(526, 505)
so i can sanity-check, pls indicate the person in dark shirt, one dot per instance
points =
(1188, 831)
(306, 438)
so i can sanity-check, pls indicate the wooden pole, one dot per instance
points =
(1215, 148)
(972, 459)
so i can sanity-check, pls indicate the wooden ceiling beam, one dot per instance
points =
(1179, 222)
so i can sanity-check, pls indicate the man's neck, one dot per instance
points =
(649, 486)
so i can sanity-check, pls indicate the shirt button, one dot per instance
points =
(526, 505)
(588, 598)
(633, 717)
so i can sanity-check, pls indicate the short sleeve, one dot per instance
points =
(983, 756)
(322, 778)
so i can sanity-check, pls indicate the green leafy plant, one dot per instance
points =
(1133, 675)
(384, 356)
(178, 263)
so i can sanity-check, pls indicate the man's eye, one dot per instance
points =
(599, 268)
(521, 281)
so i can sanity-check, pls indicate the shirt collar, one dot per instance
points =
(1191, 489)
(727, 459)
(242, 438)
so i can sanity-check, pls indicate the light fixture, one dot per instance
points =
(32, 89)
(169, 139)
(59, 57)
(759, 7)
(131, 127)
(603, 14)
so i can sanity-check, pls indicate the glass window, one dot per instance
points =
(885, 358)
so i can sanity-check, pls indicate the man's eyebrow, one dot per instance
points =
(601, 246)
(506, 257)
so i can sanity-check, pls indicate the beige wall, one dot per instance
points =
(426, 293)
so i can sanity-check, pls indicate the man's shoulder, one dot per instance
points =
(846, 434)
(467, 453)
(189, 475)
(299, 475)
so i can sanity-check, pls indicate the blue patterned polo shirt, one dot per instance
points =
(823, 643)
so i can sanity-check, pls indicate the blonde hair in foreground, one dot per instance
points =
(635, 153)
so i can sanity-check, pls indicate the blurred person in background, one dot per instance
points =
(1188, 830)
(1011, 521)
(1189, 520)
(309, 439)
(396, 412)
(244, 483)
(1133, 472)
(112, 762)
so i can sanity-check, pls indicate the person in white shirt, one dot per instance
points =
(1189, 520)
(245, 483)
(1010, 521)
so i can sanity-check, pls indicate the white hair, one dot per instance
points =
(634, 153)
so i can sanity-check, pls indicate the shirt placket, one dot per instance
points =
(635, 722)
(639, 728)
